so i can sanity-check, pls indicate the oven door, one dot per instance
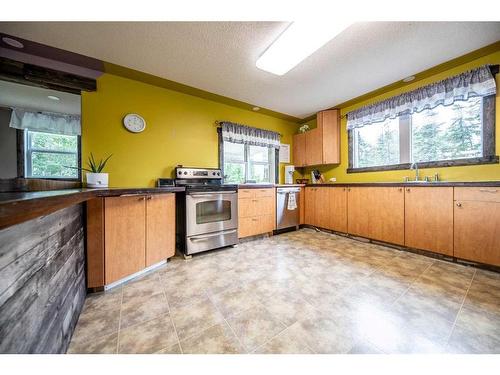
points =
(208, 212)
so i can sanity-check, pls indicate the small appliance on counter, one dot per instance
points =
(289, 169)
(317, 177)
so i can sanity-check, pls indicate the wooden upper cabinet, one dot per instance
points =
(477, 224)
(124, 236)
(329, 124)
(314, 147)
(377, 213)
(160, 228)
(320, 145)
(337, 209)
(299, 150)
(429, 219)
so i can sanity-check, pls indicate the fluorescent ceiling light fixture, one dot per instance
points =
(52, 97)
(298, 41)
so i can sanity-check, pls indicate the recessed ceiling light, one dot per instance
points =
(255, 108)
(298, 41)
(52, 97)
(12, 42)
(409, 79)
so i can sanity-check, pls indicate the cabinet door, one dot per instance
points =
(321, 204)
(160, 228)
(329, 123)
(309, 200)
(314, 147)
(429, 219)
(125, 236)
(387, 214)
(299, 150)
(302, 205)
(358, 203)
(247, 226)
(337, 209)
(477, 224)
(377, 213)
(247, 207)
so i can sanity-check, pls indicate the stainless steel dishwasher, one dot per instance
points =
(285, 217)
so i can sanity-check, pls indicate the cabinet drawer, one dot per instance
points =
(261, 193)
(252, 226)
(484, 194)
(246, 193)
(248, 207)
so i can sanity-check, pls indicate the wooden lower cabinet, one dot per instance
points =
(126, 234)
(256, 211)
(376, 213)
(337, 209)
(429, 219)
(477, 225)
(160, 228)
(316, 200)
(302, 205)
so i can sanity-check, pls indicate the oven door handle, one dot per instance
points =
(206, 237)
(205, 195)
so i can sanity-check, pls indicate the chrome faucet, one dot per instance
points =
(415, 166)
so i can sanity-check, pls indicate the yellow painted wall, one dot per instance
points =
(483, 172)
(180, 130)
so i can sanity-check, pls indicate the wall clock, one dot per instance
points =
(134, 123)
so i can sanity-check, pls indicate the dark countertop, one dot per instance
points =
(412, 184)
(263, 186)
(17, 207)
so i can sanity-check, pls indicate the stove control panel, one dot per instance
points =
(197, 173)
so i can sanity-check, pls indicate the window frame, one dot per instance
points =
(488, 134)
(24, 157)
(247, 162)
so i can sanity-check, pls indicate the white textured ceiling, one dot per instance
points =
(219, 57)
(30, 97)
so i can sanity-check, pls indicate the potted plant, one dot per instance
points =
(95, 177)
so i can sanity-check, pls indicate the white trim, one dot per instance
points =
(134, 275)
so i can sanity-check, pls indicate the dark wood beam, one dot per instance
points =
(32, 75)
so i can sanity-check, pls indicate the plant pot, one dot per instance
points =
(97, 180)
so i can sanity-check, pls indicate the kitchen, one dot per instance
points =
(180, 220)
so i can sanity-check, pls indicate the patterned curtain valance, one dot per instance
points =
(237, 133)
(49, 122)
(476, 82)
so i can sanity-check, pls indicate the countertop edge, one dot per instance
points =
(23, 206)
(410, 184)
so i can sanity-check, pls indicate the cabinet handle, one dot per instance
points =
(459, 204)
(149, 197)
(254, 200)
(408, 190)
(488, 191)
(348, 189)
(141, 198)
(400, 189)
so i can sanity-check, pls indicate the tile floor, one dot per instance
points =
(299, 292)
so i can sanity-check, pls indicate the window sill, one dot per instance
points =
(431, 164)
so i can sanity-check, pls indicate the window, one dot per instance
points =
(457, 134)
(51, 155)
(246, 163)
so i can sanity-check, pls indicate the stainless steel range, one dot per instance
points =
(208, 216)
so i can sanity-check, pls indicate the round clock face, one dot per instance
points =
(134, 123)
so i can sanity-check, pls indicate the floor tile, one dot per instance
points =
(148, 337)
(139, 308)
(284, 343)
(218, 339)
(101, 345)
(192, 319)
(299, 292)
(464, 340)
(255, 326)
